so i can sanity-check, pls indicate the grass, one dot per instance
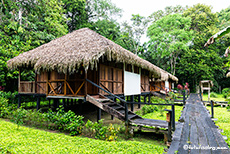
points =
(220, 97)
(158, 115)
(223, 116)
(30, 140)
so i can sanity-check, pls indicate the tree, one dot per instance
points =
(169, 36)
(134, 31)
(203, 23)
(102, 9)
(76, 13)
(167, 11)
(202, 63)
(25, 25)
(196, 65)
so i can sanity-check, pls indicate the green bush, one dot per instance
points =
(213, 94)
(6, 108)
(18, 116)
(151, 108)
(148, 109)
(9, 95)
(75, 127)
(99, 131)
(226, 92)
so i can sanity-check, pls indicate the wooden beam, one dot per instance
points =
(80, 88)
(52, 88)
(70, 88)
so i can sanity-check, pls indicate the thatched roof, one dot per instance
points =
(82, 47)
(165, 76)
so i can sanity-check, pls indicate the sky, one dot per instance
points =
(147, 7)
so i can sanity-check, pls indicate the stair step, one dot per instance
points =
(121, 111)
(117, 107)
(130, 116)
(109, 104)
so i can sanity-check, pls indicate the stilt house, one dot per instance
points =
(63, 65)
(164, 84)
(84, 65)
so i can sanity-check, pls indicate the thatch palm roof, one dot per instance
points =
(82, 47)
(165, 76)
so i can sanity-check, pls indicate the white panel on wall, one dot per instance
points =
(132, 82)
(166, 85)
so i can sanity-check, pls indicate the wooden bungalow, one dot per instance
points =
(165, 84)
(63, 65)
(84, 65)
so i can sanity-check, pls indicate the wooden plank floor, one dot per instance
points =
(150, 122)
(197, 133)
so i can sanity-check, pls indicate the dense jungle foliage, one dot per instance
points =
(176, 45)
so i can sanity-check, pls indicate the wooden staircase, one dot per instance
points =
(112, 108)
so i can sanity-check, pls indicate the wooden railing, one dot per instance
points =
(62, 87)
(52, 87)
(26, 87)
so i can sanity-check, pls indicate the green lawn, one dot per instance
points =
(219, 97)
(29, 140)
(223, 116)
(158, 115)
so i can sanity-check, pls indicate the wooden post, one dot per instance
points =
(183, 92)
(35, 82)
(71, 102)
(63, 103)
(173, 118)
(126, 114)
(65, 90)
(169, 120)
(98, 114)
(132, 100)
(49, 102)
(19, 100)
(19, 80)
(209, 92)
(139, 100)
(86, 83)
(38, 102)
(47, 84)
(212, 109)
(149, 97)
(80, 106)
(115, 100)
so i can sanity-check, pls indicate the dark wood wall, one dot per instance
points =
(112, 79)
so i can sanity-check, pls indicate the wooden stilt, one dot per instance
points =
(98, 114)
(149, 98)
(63, 103)
(80, 106)
(38, 102)
(49, 102)
(132, 100)
(139, 100)
(19, 101)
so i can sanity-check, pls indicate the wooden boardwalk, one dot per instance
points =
(197, 133)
